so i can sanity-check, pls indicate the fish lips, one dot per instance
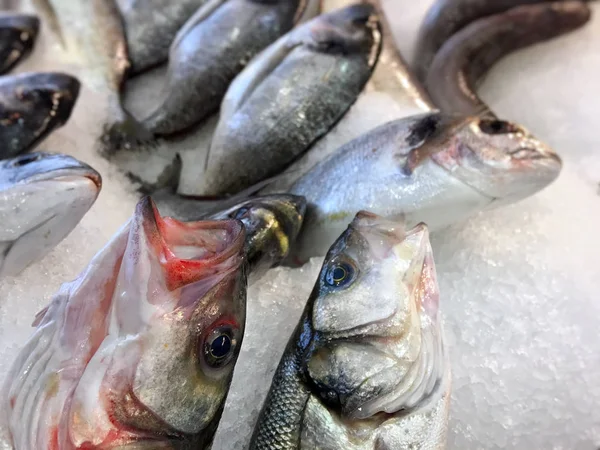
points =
(17, 37)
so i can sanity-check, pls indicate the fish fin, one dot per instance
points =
(125, 134)
(39, 316)
(201, 14)
(308, 10)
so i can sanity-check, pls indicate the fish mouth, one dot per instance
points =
(61, 90)
(25, 23)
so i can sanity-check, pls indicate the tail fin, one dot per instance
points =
(127, 133)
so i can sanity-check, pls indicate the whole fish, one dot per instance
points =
(272, 222)
(151, 26)
(42, 198)
(17, 36)
(32, 105)
(432, 168)
(138, 352)
(289, 96)
(468, 55)
(92, 34)
(366, 368)
(446, 17)
(213, 46)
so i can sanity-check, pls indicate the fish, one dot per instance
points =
(434, 168)
(139, 350)
(92, 35)
(17, 37)
(32, 105)
(43, 197)
(366, 368)
(213, 46)
(289, 96)
(272, 222)
(446, 17)
(469, 54)
(151, 26)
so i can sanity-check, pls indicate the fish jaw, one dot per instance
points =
(18, 33)
(129, 335)
(499, 159)
(378, 344)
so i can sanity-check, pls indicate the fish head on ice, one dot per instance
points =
(140, 349)
(42, 197)
(33, 105)
(500, 159)
(272, 224)
(375, 338)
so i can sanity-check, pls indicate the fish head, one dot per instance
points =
(272, 224)
(376, 344)
(17, 36)
(42, 197)
(500, 159)
(353, 28)
(175, 326)
(33, 106)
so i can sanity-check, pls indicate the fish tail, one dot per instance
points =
(127, 133)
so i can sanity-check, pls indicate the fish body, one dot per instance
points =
(366, 368)
(272, 223)
(151, 26)
(42, 198)
(469, 54)
(138, 352)
(289, 96)
(209, 51)
(431, 168)
(32, 105)
(17, 37)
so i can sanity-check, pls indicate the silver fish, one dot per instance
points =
(289, 96)
(138, 352)
(272, 222)
(431, 168)
(31, 107)
(17, 36)
(151, 26)
(366, 368)
(210, 50)
(42, 198)
(469, 54)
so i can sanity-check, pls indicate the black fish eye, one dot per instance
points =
(218, 347)
(339, 274)
(25, 159)
(497, 127)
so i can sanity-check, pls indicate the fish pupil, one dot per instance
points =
(25, 159)
(220, 347)
(339, 275)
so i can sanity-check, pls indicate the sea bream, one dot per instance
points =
(151, 26)
(208, 52)
(433, 168)
(42, 198)
(17, 36)
(366, 367)
(138, 352)
(32, 105)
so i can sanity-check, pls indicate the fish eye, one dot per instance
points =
(339, 274)
(219, 346)
(497, 127)
(241, 213)
(26, 159)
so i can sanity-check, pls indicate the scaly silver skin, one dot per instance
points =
(469, 54)
(432, 168)
(289, 96)
(210, 50)
(17, 36)
(138, 352)
(272, 223)
(366, 368)
(151, 26)
(32, 105)
(42, 198)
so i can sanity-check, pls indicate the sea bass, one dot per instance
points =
(17, 36)
(42, 198)
(289, 96)
(32, 105)
(151, 26)
(272, 222)
(138, 352)
(432, 168)
(469, 54)
(213, 46)
(366, 368)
